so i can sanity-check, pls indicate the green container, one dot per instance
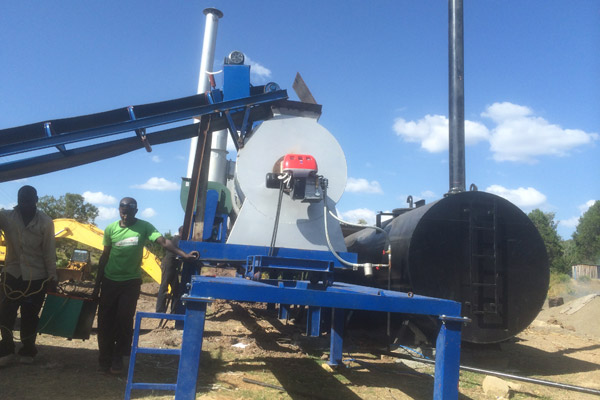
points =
(224, 206)
(67, 316)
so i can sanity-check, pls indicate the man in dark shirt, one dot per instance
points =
(169, 277)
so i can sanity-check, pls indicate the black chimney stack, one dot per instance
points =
(456, 96)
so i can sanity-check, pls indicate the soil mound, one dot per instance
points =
(581, 315)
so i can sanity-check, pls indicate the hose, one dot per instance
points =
(326, 212)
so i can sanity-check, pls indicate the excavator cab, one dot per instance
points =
(78, 268)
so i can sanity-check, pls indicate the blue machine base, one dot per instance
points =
(339, 297)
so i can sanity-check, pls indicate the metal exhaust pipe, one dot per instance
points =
(206, 64)
(456, 96)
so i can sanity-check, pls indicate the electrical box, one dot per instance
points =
(236, 82)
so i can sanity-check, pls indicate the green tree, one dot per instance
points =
(362, 221)
(69, 205)
(587, 236)
(156, 248)
(546, 226)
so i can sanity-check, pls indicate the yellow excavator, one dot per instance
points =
(89, 235)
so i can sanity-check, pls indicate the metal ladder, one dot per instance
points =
(135, 349)
(485, 277)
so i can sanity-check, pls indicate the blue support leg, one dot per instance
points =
(447, 361)
(337, 336)
(313, 321)
(191, 346)
(136, 336)
(284, 311)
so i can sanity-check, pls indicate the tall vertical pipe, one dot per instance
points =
(206, 64)
(456, 96)
(217, 170)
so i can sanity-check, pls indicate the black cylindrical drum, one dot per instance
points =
(472, 247)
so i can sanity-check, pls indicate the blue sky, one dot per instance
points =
(380, 70)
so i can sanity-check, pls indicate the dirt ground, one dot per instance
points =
(247, 342)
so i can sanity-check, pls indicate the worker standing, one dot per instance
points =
(169, 277)
(119, 281)
(30, 271)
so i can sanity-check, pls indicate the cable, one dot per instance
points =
(414, 351)
(22, 293)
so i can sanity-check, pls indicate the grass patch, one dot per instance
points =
(584, 279)
(470, 380)
(560, 284)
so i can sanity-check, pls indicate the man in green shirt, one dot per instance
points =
(119, 281)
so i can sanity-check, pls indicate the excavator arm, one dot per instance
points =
(91, 235)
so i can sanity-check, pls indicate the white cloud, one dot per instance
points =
(500, 112)
(148, 212)
(353, 216)
(107, 213)
(570, 223)
(428, 194)
(520, 136)
(432, 132)
(156, 159)
(258, 72)
(574, 221)
(155, 183)
(361, 185)
(99, 198)
(586, 206)
(527, 198)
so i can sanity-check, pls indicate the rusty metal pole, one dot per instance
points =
(198, 183)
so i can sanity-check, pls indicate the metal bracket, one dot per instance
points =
(445, 318)
(232, 129)
(186, 297)
(141, 133)
(50, 132)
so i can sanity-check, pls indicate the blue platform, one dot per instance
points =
(339, 297)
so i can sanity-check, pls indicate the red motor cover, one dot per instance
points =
(299, 164)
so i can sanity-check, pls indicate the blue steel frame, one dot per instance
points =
(339, 297)
(258, 264)
(239, 253)
(139, 124)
